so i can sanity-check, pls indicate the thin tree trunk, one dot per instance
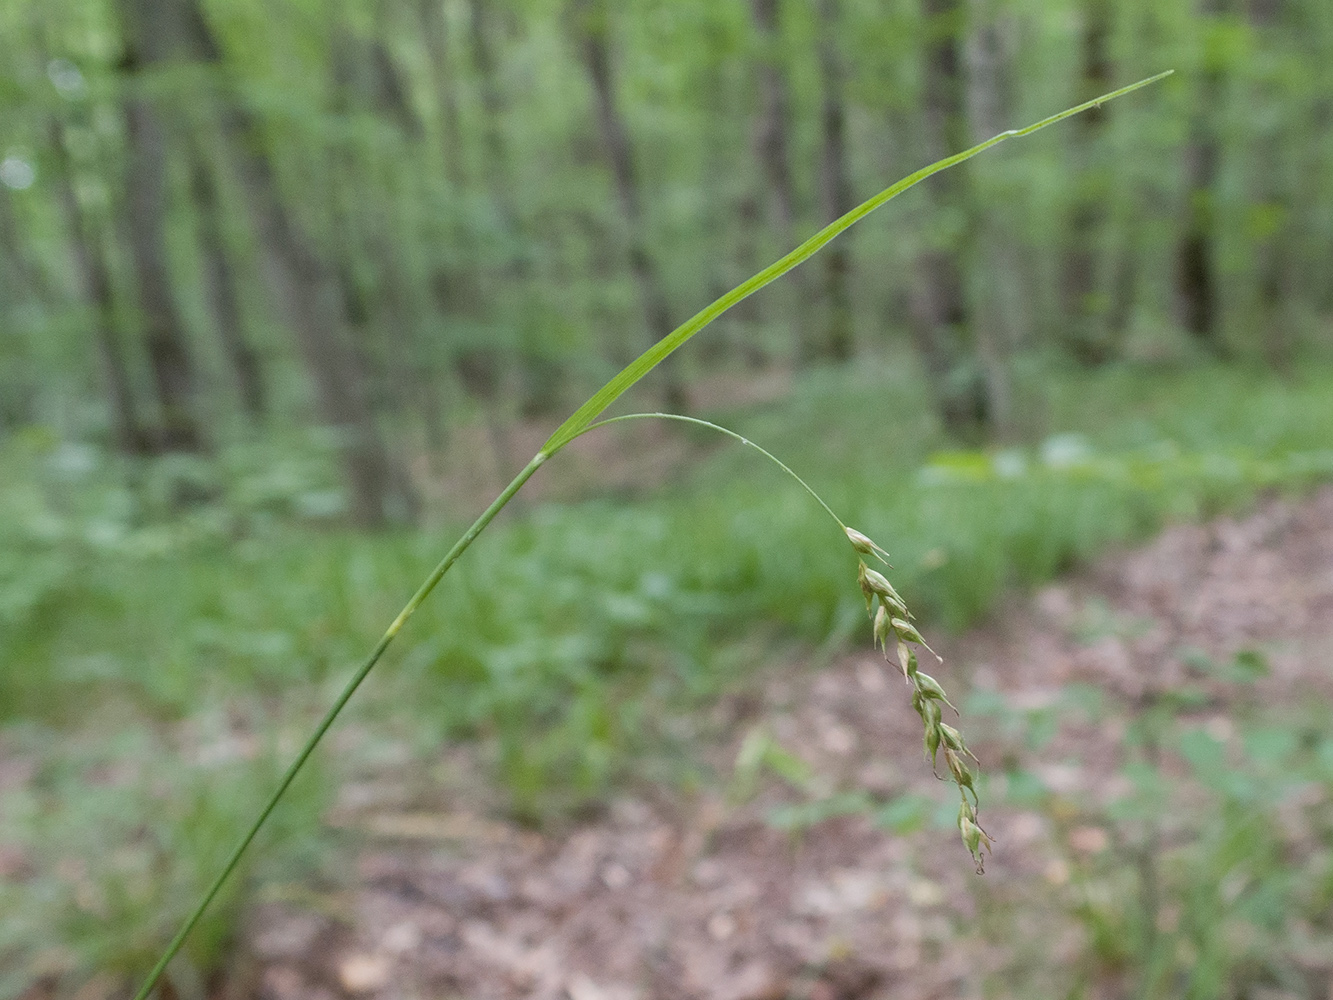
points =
(1086, 302)
(540, 375)
(594, 29)
(435, 33)
(146, 202)
(307, 289)
(1272, 195)
(492, 104)
(300, 279)
(732, 217)
(486, 369)
(837, 341)
(221, 290)
(383, 320)
(1196, 279)
(1196, 284)
(992, 259)
(771, 150)
(94, 281)
(941, 320)
(23, 277)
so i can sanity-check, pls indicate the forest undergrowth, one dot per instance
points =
(209, 614)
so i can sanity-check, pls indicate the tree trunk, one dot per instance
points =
(941, 320)
(836, 343)
(992, 261)
(540, 375)
(307, 289)
(1196, 286)
(454, 287)
(1196, 280)
(145, 204)
(94, 281)
(593, 31)
(300, 279)
(22, 276)
(771, 150)
(373, 250)
(483, 59)
(1271, 196)
(435, 34)
(221, 290)
(732, 208)
(1086, 299)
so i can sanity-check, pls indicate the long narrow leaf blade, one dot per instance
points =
(654, 356)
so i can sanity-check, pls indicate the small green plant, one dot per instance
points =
(1199, 865)
(890, 615)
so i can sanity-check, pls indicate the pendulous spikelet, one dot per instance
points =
(892, 623)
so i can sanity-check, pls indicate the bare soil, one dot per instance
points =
(697, 895)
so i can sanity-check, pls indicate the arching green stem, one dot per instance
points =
(729, 433)
(579, 422)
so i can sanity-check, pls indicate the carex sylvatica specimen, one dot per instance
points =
(892, 622)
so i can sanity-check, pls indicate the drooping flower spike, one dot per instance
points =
(892, 622)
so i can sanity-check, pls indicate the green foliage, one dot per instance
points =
(597, 601)
(579, 631)
(451, 182)
(122, 829)
(1212, 864)
(473, 215)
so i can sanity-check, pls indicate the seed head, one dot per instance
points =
(906, 660)
(928, 710)
(962, 774)
(890, 617)
(953, 739)
(863, 578)
(882, 629)
(929, 687)
(932, 744)
(906, 630)
(894, 605)
(975, 839)
(971, 833)
(878, 584)
(865, 545)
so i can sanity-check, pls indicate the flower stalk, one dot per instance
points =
(876, 587)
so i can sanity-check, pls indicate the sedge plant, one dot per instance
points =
(892, 621)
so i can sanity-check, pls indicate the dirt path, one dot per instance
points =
(703, 897)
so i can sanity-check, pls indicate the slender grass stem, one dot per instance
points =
(578, 423)
(729, 433)
(334, 711)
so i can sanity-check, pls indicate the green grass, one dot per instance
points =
(1217, 874)
(568, 601)
(571, 631)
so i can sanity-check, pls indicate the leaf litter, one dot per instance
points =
(703, 895)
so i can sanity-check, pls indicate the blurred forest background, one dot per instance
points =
(288, 290)
(383, 219)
